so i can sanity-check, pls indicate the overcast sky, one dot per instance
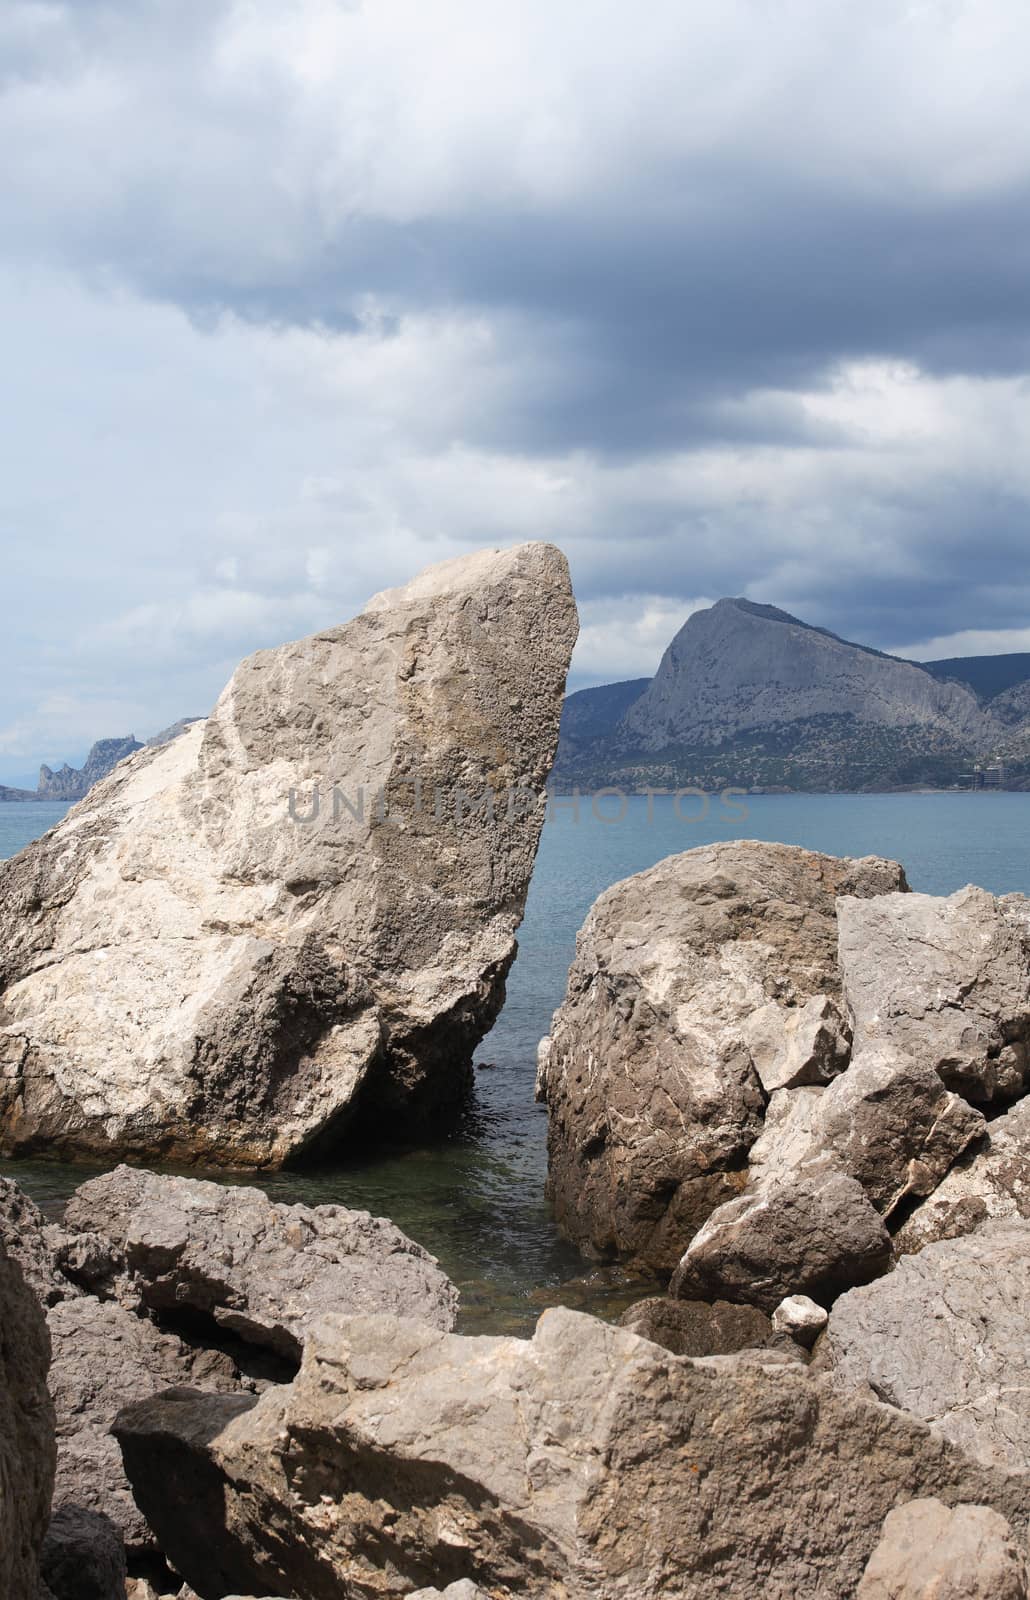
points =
(723, 296)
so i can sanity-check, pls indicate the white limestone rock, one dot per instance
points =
(652, 1070)
(801, 1318)
(930, 1551)
(188, 972)
(586, 1463)
(944, 979)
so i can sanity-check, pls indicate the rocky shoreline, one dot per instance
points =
(250, 1399)
(784, 1081)
(271, 1400)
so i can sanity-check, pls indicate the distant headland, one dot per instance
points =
(74, 783)
(750, 696)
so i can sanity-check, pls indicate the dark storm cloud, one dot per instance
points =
(696, 273)
(656, 322)
(303, 294)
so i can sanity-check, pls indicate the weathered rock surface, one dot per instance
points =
(586, 1462)
(932, 1552)
(808, 1045)
(992, 1181)
(943, 1336)
(887, 1121)
(188, 968)
(23, 1233)
(260, 1270)
(946, 980)
(802, 1225)
(104, 1357)
(83, 1556)
(695, 1327)
(812, 1231)
(26, 1432)
(691, 981)
(890, 1123)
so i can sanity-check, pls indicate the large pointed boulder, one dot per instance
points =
(306, 903)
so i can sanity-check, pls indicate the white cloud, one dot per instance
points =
(626, 638)
(969, 642)
(268, 481)
(401, 110)
(300, 295)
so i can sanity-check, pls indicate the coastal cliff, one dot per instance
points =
(73, 783)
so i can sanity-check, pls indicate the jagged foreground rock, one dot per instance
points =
(26, 1432)
(944, 1337)
(946, 979)
(770, 1063)
(937, 992)
(186, 971)
(104, 1357)
(259, 1270)
(586, 1462)
(102, 1353)
(216, 1265)
(698, 987)
(991, 1182)
(932, 1552)
(831, 1168)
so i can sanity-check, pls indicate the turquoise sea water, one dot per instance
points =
(476, 1199)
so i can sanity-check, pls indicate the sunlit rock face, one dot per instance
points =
(302, 905)
(697, 986)
(586, 1463)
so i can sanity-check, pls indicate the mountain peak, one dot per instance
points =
(727, 672)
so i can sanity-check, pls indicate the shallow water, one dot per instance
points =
(476, 1198)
